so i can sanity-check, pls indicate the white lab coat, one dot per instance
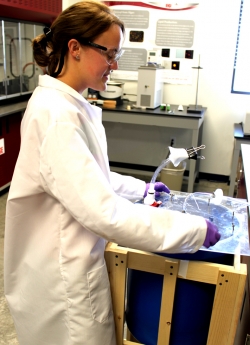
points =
(63, 204)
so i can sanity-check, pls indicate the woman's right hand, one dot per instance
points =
(212, 236)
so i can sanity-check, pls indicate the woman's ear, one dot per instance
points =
(74, 48)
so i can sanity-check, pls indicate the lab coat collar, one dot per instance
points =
(50, 82)
(92, 113)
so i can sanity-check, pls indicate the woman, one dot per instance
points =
(64, 203)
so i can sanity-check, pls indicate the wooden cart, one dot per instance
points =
(230, 313)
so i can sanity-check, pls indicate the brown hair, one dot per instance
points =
(84, 21)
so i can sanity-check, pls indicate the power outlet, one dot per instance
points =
(173, 141)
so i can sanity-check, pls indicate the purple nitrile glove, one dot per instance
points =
(212, 236)
(159, 187)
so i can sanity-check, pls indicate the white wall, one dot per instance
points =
(67, 3)
(216, 31)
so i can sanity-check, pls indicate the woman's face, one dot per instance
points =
(95, 68)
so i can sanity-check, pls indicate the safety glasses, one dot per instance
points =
(111, 55)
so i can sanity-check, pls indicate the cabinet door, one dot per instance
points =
(3, 90)
(10, 132)
(2, 155)
(28, 67)
(38, 70)
(3, 158)
(18, 71)
(12, 59)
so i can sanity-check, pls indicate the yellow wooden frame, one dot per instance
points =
(230, 284)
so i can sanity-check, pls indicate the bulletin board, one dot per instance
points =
(159, 33)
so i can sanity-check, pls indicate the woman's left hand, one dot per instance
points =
(159, 187)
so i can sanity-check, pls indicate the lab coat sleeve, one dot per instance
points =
(127, 186)
(71, 174)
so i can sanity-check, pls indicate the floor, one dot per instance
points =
(7, 330)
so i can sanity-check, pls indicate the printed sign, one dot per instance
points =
(158, 33)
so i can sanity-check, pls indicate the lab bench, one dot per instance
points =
(239, 138)
(246, 166)
(10, 119)
(161, 118)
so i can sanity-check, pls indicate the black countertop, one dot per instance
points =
(157, 111)
(12, 108)
(21, 106)
(239, 133)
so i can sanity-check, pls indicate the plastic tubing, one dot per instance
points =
(209, 195)
(157, 171)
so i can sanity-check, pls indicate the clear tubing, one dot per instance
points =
(157, 171)
(209, 195)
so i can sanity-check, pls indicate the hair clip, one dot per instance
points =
(47, 32)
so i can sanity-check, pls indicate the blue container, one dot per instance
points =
(192, 305)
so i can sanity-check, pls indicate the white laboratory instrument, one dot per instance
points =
(150, 86)
(154, 56)
(113, 92)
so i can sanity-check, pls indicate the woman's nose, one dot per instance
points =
(114, 65)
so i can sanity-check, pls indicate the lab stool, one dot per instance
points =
(229, 316)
